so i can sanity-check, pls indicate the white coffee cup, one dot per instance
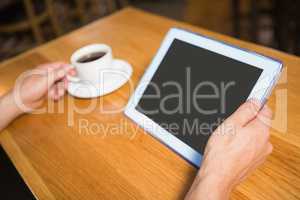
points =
(91, 71)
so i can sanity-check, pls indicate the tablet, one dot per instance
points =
(192, 85)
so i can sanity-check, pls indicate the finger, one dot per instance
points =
(259, 163)
(251, 169)
(66, 83)
(259, 129)
(266, 150)
(260, 159)
(53, 65)
(264, 154)
(265, 115)
(256, 163)
(245, 113)
(72, 72)
(57, 91)
(52, 92)
(269, 148)
(58, 74)
(261, 124)
(60, 90)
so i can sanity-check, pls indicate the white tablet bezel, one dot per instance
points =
(261, 91)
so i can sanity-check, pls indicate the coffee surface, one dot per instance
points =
(91, 57)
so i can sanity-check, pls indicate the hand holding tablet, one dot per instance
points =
(193, 84)
(234, 150)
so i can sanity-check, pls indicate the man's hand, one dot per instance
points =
(46, 80)
(234, 150)
(32, 88)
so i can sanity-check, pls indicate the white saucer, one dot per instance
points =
(110, 81)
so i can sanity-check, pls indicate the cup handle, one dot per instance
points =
(73, 78)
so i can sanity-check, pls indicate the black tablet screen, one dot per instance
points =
(194, 90)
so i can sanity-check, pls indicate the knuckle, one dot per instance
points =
(250, 108)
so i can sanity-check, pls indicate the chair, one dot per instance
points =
(254, 13)
(111, 6)
(285, 22)
(33, 21)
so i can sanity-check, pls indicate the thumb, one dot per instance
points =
(58, 74)
(245, 113)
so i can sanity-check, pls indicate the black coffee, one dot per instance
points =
(91, 57)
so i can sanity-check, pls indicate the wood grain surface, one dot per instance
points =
(117, 159)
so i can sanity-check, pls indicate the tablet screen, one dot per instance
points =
(194, 90)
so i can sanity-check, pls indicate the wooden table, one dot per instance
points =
(58, 162)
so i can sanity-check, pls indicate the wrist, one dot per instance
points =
(8, 103)
(9, 110)
(209, 187)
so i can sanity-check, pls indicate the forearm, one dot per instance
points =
(8, 110)
(210, 188)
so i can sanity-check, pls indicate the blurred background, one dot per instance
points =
(25, 24)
